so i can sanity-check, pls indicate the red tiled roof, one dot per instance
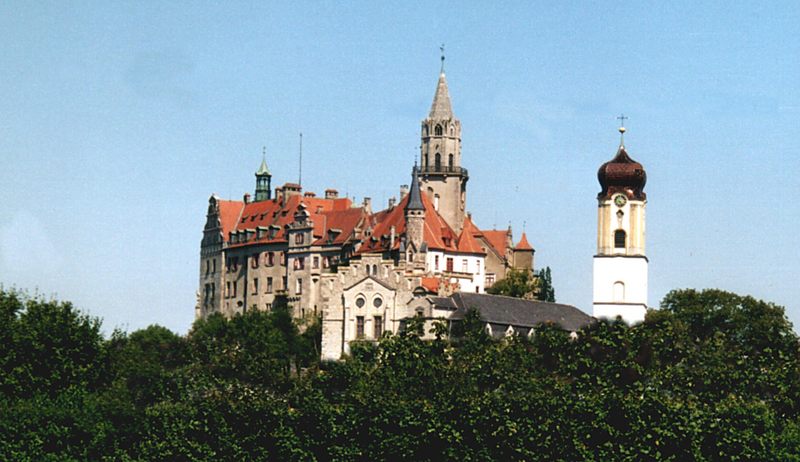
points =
(431, 284)
(436, 232)
(497, 239)
(228, 216)
(466, 241)
(523, 243)
(278, 213)
(344, 221)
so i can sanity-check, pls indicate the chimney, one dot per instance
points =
(309, 194)
(392, 201)
(246, 198)
(331, 194)
(403, 191)
(368, 204)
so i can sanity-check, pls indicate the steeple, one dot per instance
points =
(441, 107)
(263, 179)
(442, 177)
(414, 199)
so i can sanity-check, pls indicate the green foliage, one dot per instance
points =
(545, 292)
(517, 283)
(711, 376)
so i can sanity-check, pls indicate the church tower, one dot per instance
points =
(263, 180)
(620, 265)
(442, 177)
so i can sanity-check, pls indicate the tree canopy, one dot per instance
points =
(710, 376)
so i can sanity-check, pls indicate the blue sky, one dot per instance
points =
(119, 120)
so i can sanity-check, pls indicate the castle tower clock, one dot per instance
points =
(620, 265)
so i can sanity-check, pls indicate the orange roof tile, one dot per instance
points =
(523, 243)
(497, 239)
(431, 284)
(228, 216)
(466, 241)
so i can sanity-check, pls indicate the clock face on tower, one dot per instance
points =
(620, 200)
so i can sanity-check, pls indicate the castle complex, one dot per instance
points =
(366, 272)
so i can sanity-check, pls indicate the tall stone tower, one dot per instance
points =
(620, 265)
(443, 178)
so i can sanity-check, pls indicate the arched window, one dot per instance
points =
(425, 160)
(424, 130)
(450, 161)
(438, 130)
(374, 270)
(438, 161)
(619, 291)
(436, 202)
(619, 239)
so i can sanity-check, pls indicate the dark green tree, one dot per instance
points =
(545, 291)
(519, 283)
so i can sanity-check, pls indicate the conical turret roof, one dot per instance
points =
(414, 199)
(263, 170)
(441, 108)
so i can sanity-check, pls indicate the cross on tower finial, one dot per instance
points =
(622, 118)
(263, 152)
(441, 48)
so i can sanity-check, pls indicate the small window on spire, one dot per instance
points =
(438, 130)
(619, 239)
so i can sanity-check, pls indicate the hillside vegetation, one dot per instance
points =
(710, 376)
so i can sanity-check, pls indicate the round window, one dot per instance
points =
(360, 302)
(377, 302)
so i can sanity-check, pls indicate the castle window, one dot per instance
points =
(235, 286)
(449, 263)
(269, 285)
(208, 266)
(619, 291)
(298, 238)
(425, 160)
(270, 258)
(359, 327)
(360, 302)
(619, 239)
(438, 130)
(254, 261)
(436, 263)
(378, 327)
(374, 270)
(450, 161)
(255, 286)
(316, 262)
(377, 302)
(437, 161)
(299, 288)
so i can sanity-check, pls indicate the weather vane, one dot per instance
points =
(442, 50)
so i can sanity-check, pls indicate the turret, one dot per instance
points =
(263, 180)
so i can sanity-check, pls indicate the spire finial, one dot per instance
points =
(441, 48)
(622, 119)
(264, 153)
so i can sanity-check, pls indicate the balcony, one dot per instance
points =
(442, 169)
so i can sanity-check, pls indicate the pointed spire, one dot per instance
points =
(441, 108)
(523, 243)
(414, 199)
(263, 170)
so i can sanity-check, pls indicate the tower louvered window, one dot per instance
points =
(619, 239)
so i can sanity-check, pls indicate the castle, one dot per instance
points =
(366, 272)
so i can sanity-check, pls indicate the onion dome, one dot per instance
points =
(622, 175)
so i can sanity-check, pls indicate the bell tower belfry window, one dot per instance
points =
(620, 264)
